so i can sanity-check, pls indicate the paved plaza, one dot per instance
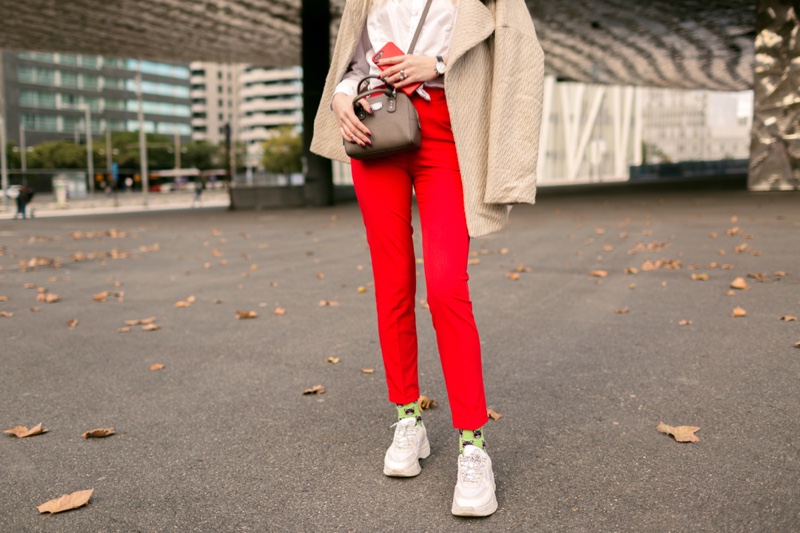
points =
(579, 302)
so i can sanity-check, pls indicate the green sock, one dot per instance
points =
(409, 410)
(473, 437)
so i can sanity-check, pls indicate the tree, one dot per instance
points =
(283, 151)
(14, 158)
(57, 154)
(202, 155)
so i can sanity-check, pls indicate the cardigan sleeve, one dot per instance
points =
(357, 69)
(516, 111)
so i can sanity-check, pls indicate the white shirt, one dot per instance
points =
(396, 21)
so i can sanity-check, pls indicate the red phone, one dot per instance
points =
(391, 50)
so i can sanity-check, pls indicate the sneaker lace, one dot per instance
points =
(471, 468)
(404, 435)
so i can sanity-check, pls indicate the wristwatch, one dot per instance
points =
(440, 66)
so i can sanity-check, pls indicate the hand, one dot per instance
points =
(351, 128)
(418, 69)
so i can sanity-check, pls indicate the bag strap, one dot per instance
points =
(419, 27)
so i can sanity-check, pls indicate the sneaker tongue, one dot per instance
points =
(469, 449)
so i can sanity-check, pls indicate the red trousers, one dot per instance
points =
(384, 187)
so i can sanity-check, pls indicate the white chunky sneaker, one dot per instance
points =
(410, 444)
(474, 494)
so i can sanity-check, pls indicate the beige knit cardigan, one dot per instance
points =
(494, 86)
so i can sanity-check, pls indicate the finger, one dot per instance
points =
(356, 131)
(365, 104)
(394, 60)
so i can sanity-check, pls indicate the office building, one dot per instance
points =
(215, 89)
(44, 95)
(270, 98)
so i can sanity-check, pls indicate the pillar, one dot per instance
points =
(775, 147)
(316, 15)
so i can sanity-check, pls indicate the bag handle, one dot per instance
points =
(410, 50)
(419, 27)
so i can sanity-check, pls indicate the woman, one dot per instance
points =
(481, 69)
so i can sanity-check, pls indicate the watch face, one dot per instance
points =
(440, 67)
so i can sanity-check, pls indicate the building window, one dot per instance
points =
(40, 122)
(70, 80)
(90, 61)
(90, 82)
(110, 82)
(161, 89)
(36, 75)
(115, 125)
(160, 108)
(173, 128)
(114, 104)
(69, 59)
(36, 56)
(113, 62)
(219, 75)
(159, 69)
(37, 99)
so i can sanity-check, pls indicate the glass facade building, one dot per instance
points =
(46, 94)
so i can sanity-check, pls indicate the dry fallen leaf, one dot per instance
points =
(72, 323)
(21, 431)
(6, 314)
(685, 323)
(328, 303)
(98, 433)
(623, 311)
(362, 289)
(280, 311)
(513, 276)
(241, 315)
(797, 344)
(494, 415)
(789, 318)
(474, 262)
(156, 366)
(598, 273)
(49, 298)
(126, 329)
(779, 274)
(100, 296)
(632, 270)
(66, 502)
(316, 389)
(151, 327)
(333, 360)
(367, 370)
(427, 403)
(3, 298)
(739, 313)
(731, 292)
(700, 277)
(140, 321)
(740, 284)
(680, 433)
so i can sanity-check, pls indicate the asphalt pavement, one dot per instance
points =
(582, 367)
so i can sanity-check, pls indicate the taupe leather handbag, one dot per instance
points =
(394, 123)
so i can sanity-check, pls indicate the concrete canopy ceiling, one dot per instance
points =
(664, 43)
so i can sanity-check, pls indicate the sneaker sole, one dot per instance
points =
(414, 469)
(484, 510)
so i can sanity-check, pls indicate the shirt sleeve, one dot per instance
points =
(358, 68)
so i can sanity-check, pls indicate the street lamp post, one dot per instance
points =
(142, 136)
(3, 161)
(23, 156)
(89, 154)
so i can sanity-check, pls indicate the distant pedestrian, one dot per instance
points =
(24, 196)
(199, 185)
(478, 155)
